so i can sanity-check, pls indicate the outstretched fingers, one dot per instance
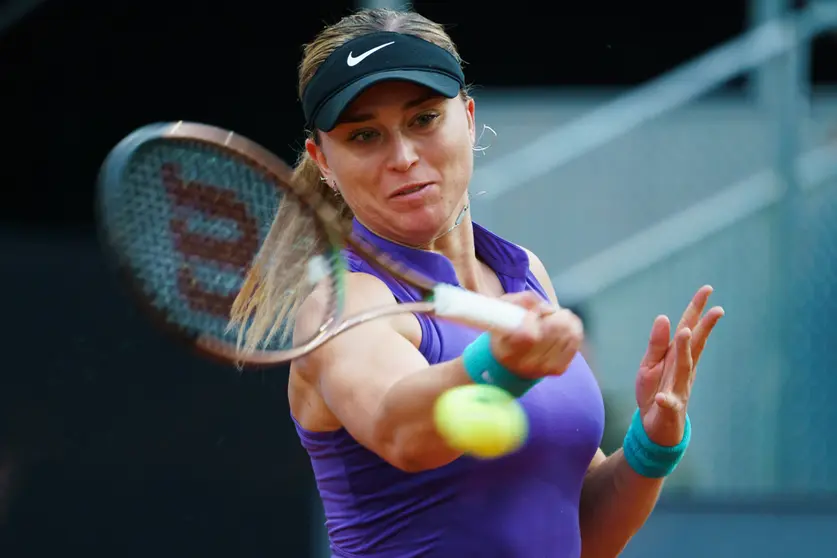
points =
(677, 384)
(658, 342)
(704, 329)
(691, 316)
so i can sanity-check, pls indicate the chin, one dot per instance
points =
(421, 226)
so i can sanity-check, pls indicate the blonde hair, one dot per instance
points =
(276, 284)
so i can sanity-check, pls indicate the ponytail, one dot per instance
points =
(276, 284)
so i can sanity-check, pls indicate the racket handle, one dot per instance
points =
(476, 310)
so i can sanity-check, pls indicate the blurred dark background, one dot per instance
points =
(113, 442)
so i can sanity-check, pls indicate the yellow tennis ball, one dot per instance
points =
(480, 420)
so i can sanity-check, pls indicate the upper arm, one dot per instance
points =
(353, 371)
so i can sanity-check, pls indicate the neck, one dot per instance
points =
(457, 245)
(456, 242)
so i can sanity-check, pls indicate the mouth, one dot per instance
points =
(410, 189)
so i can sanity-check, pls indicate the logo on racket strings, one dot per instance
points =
(212, 203)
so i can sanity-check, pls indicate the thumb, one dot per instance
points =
(658, 341)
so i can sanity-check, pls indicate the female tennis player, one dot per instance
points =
(392, 135)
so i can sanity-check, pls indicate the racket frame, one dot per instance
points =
(446, 301)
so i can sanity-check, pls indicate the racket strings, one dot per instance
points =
(191, 220)
(221, 243)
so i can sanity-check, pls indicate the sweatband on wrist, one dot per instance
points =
(649, 459)
(483, 368)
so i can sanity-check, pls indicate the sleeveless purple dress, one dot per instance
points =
(523, 505)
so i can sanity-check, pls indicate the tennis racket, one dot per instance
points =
(183, 209)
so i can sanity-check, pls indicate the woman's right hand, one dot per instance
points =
(544, 345)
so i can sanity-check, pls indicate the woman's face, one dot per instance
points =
(402, 158)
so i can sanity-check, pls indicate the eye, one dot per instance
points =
(361, 136)
(426, 119)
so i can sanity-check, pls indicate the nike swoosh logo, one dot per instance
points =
(355, 60)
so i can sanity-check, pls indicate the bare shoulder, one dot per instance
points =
(535, 263)
(363, 291)
(538, 269)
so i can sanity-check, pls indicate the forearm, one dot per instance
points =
(615, 503)
(404, 419)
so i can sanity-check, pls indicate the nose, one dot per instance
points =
(403, 154)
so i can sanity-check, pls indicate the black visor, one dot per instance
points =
(371, 59)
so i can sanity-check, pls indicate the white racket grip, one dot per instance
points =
(476, 310)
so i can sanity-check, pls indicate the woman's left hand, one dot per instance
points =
(667, 371)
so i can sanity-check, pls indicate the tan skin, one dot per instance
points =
(374, 382)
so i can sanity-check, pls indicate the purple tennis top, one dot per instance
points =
(522, 505)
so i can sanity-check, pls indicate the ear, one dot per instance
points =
(472, 122)
(318, 156)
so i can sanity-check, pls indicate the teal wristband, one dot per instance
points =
(649, 459)
(483, 368)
